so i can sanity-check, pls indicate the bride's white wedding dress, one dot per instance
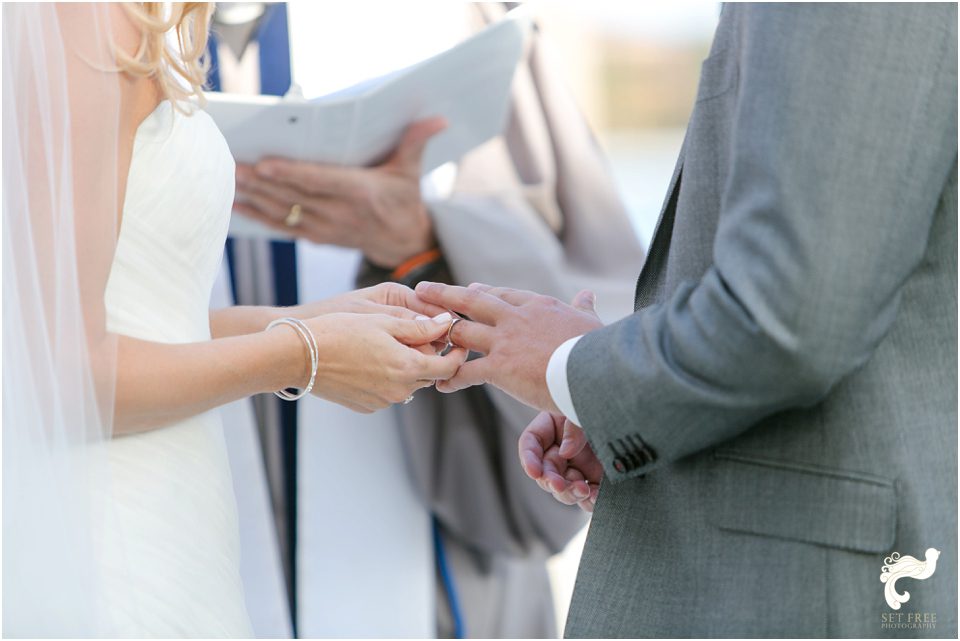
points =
(170, 544)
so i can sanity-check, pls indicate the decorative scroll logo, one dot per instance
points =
(896, 567)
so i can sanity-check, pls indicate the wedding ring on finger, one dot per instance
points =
(408, 399)
(456, 319)
(294, 217)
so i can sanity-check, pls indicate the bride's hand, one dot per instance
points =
(392, 299)
(370, 361)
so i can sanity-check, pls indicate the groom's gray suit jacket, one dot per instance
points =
(780, 414)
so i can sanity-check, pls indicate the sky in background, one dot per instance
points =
(661, 21)
(338, 44)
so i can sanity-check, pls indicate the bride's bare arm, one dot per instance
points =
(159, 383)
(240, 320)
(365, 364)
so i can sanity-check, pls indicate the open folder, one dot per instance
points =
(469, 85)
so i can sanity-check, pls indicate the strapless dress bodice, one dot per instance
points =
(170, 547)
(175, 217)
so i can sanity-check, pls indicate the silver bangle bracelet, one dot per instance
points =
(308, 338)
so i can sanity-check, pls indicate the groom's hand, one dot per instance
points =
(516, 330)
(555, 453)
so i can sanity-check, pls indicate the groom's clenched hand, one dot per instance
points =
(516, 331)
(555, 453)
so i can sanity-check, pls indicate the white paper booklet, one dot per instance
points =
(469, 85)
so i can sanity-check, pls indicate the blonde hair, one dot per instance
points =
(181, 73)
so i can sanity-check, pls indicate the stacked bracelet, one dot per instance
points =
(311, 342)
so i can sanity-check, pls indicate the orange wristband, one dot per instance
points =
(403, 269)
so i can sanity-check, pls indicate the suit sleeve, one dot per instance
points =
(844, 134)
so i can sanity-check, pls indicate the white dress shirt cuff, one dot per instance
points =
(557, 379)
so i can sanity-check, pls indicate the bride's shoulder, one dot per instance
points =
(105, 52)
(159, 45)
(98, 31)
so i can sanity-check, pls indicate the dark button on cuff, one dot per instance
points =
(631, 453)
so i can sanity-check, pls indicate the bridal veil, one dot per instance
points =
(61, 111)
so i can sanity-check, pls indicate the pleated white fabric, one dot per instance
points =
(171, 545)
(260, 566)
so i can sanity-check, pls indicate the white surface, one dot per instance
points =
(469, 85)
(364, 552)
(557, 379)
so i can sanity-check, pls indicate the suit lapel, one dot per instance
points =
(660, 243)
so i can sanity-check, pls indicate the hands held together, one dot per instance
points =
(377, 346)
(381, 344)
(517, 332)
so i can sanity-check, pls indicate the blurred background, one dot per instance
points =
(631, 66)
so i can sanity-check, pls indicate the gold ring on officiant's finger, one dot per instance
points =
(456, 319)
(294, 217)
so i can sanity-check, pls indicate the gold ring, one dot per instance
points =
(294, 217)
(456, 319)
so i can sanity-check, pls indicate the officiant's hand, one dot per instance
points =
(517, 331)
(555, 453)
(378, 210)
